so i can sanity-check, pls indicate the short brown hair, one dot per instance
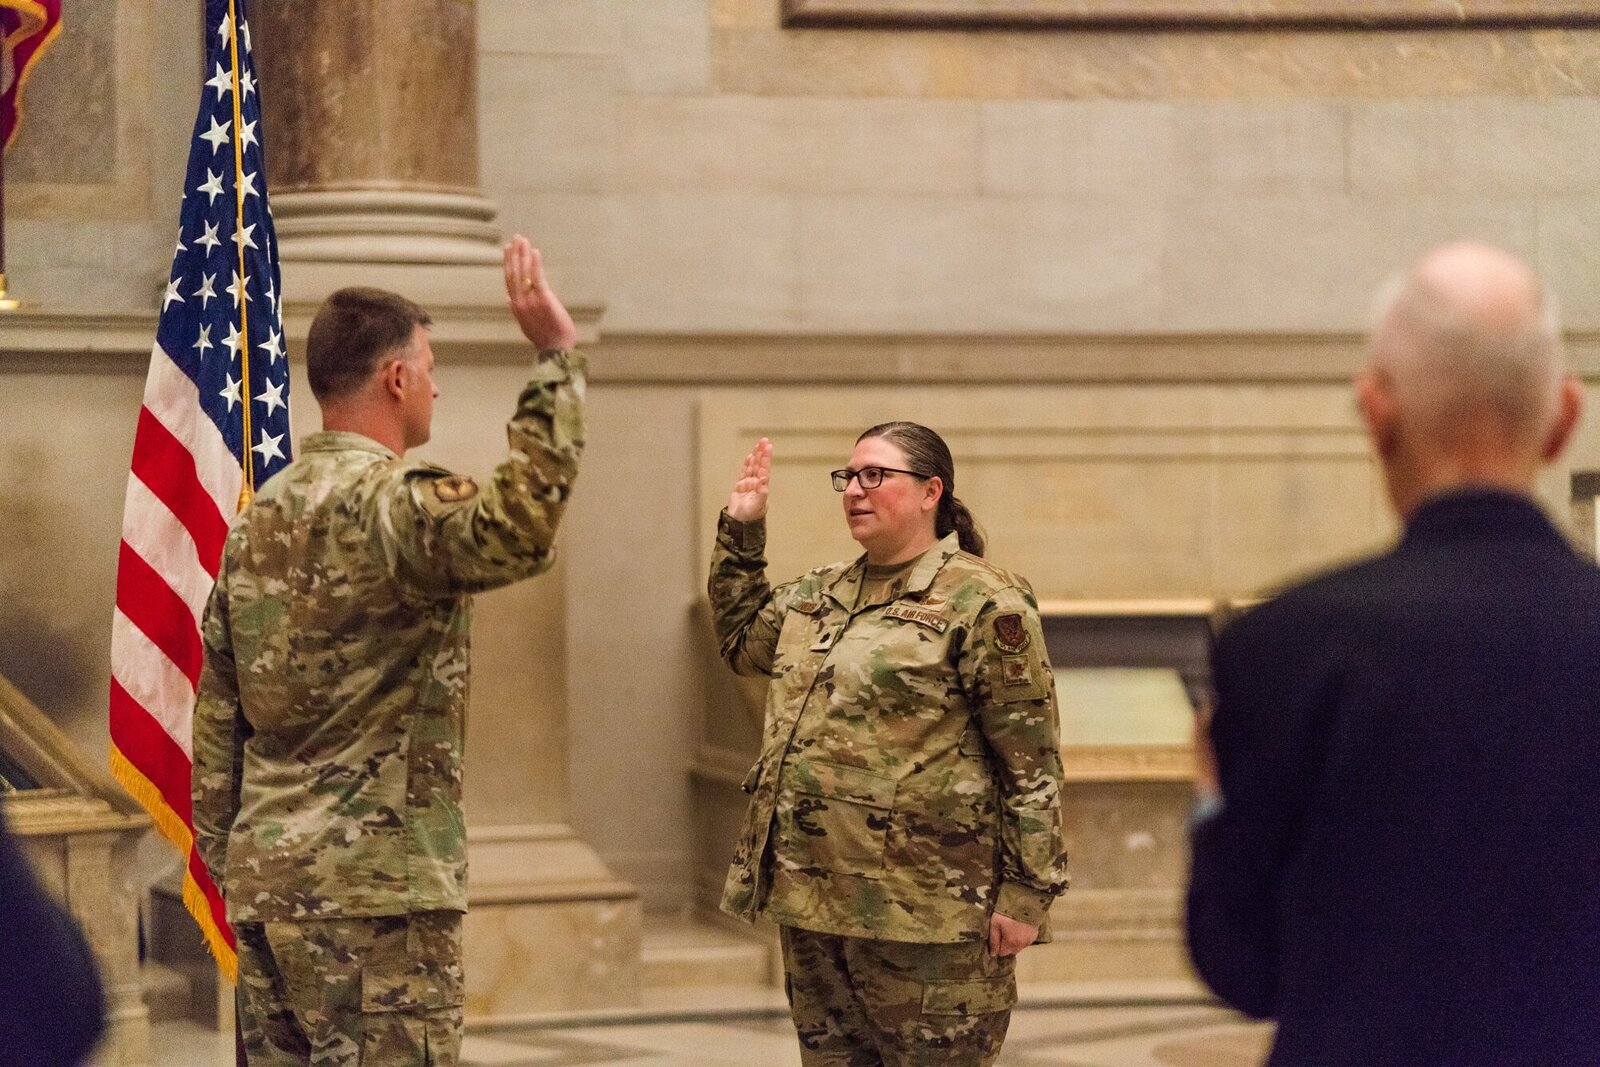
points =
(352, 331)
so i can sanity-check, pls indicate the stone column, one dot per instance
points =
(371, 126)
(370, 112)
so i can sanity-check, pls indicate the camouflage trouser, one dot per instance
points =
(863, 1003)
(376, 992)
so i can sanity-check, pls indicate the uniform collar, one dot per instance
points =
(846, 588)
(344, 441)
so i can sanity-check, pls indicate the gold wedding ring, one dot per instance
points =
(527, 283)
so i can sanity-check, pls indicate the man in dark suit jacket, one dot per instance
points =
(1402, 865)
(51, 1006)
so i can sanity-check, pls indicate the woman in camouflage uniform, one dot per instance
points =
(905, 824)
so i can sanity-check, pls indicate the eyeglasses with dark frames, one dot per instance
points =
(868, 477)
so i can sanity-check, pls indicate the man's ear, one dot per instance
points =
(1569, 405)
(1375, 400)
(394, 378)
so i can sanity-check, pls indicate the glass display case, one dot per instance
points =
(1130, 675)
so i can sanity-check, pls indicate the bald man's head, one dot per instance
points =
(1469, 345)
(1467, 385)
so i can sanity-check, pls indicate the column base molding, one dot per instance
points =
(549, 928)
(440, 249)
(386, 226)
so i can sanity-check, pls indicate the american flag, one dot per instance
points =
(216, 397)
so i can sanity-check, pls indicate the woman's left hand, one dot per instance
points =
(1008, 936)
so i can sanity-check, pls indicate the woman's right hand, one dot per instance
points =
(748, 501)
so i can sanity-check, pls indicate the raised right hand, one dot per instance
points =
(538, 310)
(748, 501)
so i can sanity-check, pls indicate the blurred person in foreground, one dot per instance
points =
(52, 1007)
(1397, 848)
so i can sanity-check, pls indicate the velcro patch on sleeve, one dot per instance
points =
(442, 495)
(1021, 678)
(1010, 633)
(454, 489)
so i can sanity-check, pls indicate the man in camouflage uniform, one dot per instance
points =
(905, 817)
(328, 734)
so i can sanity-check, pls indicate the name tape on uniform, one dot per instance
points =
(933, 620)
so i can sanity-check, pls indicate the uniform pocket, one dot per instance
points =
(974, 996)
(421, 1039)
(840, 817)
(420, 970)
(799, 630)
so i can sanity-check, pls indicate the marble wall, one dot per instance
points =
(1167, 225)
(761, 178)
(1158, 247)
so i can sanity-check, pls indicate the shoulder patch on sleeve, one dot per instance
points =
(1014, 671)
(1009, 633)
(454, 488)
(1021, 678)
(439, 491)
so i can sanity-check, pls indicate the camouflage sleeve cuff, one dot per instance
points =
(742, 538)
(559, 364)
(1019, 902)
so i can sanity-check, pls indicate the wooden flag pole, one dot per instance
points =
(247, 488)
(240, 1059)
(6, 304)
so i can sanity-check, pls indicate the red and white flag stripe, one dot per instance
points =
(183, 491)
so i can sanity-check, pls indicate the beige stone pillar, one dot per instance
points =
(370, 119)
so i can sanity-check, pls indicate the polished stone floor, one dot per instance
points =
(1179, 1035)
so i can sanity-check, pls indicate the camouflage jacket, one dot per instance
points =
(331, 717)
(909, 782)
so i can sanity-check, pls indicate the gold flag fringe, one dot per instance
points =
(174, 829)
